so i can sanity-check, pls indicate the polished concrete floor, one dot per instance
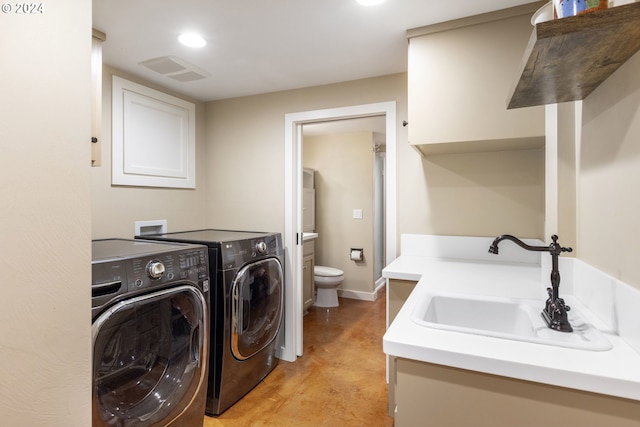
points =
(339, 381)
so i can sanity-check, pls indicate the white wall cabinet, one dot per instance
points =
(308, 200)
(459, 77)
(308, 209)
(153, 137)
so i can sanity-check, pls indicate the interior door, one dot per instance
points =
(149, 357)
(257, 292)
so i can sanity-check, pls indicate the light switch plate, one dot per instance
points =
(357, 214)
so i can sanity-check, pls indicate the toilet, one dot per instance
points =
(327, 280)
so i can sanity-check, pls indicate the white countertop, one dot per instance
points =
(613, 372)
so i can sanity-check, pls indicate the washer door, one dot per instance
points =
(256, 312)
(149, 357)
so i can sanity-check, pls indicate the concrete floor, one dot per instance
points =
(339, 381)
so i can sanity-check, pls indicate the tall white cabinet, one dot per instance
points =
(308, 226)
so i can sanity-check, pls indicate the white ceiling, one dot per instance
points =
(261, 46)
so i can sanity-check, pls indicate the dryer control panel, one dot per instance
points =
(237, 253)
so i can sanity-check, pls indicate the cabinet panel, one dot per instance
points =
(307, 288)
(153, 137)
(399, 291)
(437, 395)
(308, 209)
(96, 96)
(459, 81)
(308, 285)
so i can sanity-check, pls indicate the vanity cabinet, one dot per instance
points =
(308, 286)
(459, 77)
(429, 394)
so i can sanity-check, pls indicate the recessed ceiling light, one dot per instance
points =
(191, 40)
(369, 2)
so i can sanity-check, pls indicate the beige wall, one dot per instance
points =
(116, 208)
(245, 156)
(481, 194)
(45, 339)
(609, 175)
(343, 182)
(474, 194)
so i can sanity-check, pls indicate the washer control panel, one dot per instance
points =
(160, 269)
(155, 269)
(119, 276)
(261, 247)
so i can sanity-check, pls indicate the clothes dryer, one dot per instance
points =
(150, 328)
(247, 309)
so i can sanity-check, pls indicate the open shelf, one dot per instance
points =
(566, 59)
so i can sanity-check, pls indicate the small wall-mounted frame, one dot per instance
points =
(153, 137)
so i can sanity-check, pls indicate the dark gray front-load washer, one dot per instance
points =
(150, 328)
(246, 307)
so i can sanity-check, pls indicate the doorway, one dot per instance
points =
(291, 346)
(346, 159)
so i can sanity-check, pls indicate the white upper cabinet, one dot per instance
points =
(153, 137)
(459, 78)
(308, 200)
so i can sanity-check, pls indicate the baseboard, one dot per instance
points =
(365, 296)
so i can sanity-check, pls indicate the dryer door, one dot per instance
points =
(256, 311)
(149, 357)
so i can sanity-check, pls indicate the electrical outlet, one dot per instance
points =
(357, 214)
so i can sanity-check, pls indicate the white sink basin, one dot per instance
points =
(515, 319)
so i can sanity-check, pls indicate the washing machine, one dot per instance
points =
(247, 309)
(150, 328)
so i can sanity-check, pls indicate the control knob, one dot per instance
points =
(155, 269)
(261, 247)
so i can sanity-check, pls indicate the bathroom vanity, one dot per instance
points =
(454, 377)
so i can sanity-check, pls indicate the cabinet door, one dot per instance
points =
(307, 282)
(459, 81)
(308, 209)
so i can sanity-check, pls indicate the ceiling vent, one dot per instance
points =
(175, 68)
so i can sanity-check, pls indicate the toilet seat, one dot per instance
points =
(324, 271)
(324, 276)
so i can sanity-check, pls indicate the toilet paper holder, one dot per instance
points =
(356, 254)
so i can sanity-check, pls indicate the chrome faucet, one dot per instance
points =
(555, 311)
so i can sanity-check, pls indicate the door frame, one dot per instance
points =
(292, 342)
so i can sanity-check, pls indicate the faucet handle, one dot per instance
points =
(563, 305)
(556, 246)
